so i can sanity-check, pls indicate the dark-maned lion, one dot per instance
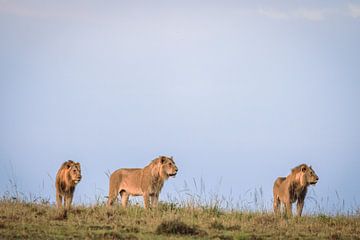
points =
(293, 188)
(146, 182)
(67, 177)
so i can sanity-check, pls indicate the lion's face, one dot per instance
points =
(308, 175)
(75, 172)
(168, 166)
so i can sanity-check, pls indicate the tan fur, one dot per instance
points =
(146, 182)
(293, 188)
(67, 177)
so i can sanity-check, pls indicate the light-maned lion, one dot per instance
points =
(146, 182)
(293, 188)
(67, 177)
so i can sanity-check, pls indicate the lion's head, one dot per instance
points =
(165, 166)
(305, 174)
(73, 171)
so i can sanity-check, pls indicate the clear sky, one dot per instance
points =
(239, 92)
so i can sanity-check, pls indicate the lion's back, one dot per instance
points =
(126, 172)
(277, 185)
(127, 177)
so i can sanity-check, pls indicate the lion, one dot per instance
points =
(293, 188)
(146, 182)
(67, 177)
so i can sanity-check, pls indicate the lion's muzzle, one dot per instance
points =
(315, 181)
(77, 180)
(174, 174)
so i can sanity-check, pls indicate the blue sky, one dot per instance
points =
(239, 92)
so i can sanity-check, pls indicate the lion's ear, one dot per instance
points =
(68, 166)
(303, 168)
(162, 159)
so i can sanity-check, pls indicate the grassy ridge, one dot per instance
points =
(22, 220)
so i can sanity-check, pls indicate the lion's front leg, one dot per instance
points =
(59, 200)
(154, 200)
(146, 200)
(300, 206)
(68, 200)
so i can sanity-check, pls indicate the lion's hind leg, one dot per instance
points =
(276, 191)
(277, 205)
(112, 198)
(288, 209)
(113, 194)
(124, 198)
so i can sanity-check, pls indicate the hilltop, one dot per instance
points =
(25, 220)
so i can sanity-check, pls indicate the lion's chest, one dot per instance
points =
(156, 185)
(66, 187)
(295, 193)
(293, 198)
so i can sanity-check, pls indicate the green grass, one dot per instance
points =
(23, 220)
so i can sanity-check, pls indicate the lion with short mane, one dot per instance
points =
(146, 182)
(293, 188)
(67, 177)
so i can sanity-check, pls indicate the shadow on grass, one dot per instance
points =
(61, 215)
(112, 235)
(179, 228)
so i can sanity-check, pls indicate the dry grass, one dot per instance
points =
(23, 220)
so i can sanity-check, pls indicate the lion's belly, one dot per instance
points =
(134, 192)
(131, 186)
